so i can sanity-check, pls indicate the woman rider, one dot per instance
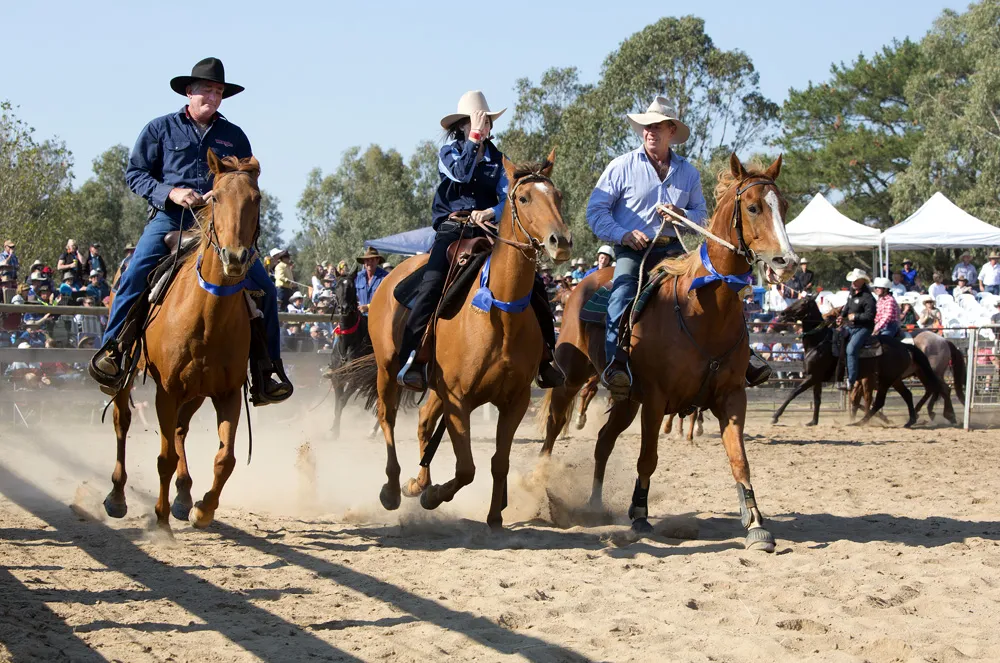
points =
(886, 309)
(473, 184)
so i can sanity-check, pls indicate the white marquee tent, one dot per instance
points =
(821, 227)
(939, 224)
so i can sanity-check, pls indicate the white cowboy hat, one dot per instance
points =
(606, 250)
(296, 295)
(923, 299)
(659, 111)
(856, 274)
(471, 101)
(881, 282)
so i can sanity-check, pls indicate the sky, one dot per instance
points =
(322, 77)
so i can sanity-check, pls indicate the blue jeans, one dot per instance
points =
(149, 250)
(625, 286)
(858, 337)
(993, 289)
(890, 330)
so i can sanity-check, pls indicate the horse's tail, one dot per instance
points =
(931, 378)
(542, 416)
(362, 372)
(958, 370)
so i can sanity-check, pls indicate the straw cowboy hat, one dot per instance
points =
(856, 274)
(925, 298)
(881, 282)
(209, 69)
(471, 101)
(370, 252)
(659, 111)
(993, 256)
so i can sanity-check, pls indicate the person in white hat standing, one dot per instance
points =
(886, 309)
(989, 275)
(859, 314)
(605, 256)
(474, 185)
(965, 268)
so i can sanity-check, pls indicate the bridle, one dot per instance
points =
(744, 249)
(532, 244)
(213, 237)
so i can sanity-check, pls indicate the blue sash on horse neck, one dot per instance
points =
(736, 282)
(221, 290)
(484, 300)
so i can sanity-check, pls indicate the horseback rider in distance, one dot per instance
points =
(622, 211)
(474, 188)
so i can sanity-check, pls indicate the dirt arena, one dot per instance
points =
(888, 550)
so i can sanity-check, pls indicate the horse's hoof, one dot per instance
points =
(115, 509)
(180, 511)
(412, 488)
(429, 500)
(581, 423)
(390, 498)
(496, 526)
(200, 518)
(909, 424)
(641, 526)
(811, 423)
(759, 538)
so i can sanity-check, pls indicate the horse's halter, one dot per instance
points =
(744, 249)
(213, 237)
(532, 244)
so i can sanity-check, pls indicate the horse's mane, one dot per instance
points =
(231, 166)
(687, 266)
(530, 168)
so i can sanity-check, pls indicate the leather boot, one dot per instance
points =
(616, 376)
(758, 372)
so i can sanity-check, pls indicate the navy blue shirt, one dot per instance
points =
(467, 185)
(169, 153)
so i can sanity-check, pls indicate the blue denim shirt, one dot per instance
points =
(366, 290)
(169, 153)
(467, 184)
(629, 189)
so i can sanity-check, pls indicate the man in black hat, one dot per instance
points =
(169, 168)
(95, 261)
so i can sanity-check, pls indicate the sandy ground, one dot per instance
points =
(888, 550)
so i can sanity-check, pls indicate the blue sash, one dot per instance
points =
(484, 301)
(736, 282)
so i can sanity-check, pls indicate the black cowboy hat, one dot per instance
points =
(209, 69)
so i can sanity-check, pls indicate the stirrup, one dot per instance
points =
(620, 388)
(550, 376)
(109, 383)
(417, 380)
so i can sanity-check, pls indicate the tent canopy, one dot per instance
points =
(821, 226)
(406, 243)
(940, 224)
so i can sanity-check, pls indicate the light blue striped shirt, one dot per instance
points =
(629, 189)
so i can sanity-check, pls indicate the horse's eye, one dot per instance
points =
(752, 209)
(522, 199)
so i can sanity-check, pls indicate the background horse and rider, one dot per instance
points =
(689, 348)
(477, 356)
(896, 362)
(351, 341)
(197, 345)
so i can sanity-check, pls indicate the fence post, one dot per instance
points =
(970, 375)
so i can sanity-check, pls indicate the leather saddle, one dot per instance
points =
(186, 238)
(469, 254)
(872, 348)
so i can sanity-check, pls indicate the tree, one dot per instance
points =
(537, 121)
(371, 194)
(35, 179)
(851, 137)
(956, 101)
(270, 222)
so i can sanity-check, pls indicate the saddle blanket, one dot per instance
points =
(595, 310)
(453, 297)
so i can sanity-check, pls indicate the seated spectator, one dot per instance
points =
(989, 275)
(579, 269)
(963, 288)
(930, 316)
(319, 339)
(898, 287)
(965, 268)
(89, 326)
(907, 316)
(750, 306)
(97, 288)
(937, 288)
(909, 274)
(295, 303)
(67, 289)
(918, 285)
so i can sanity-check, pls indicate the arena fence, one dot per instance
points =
(982, 385)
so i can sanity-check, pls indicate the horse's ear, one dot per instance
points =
(550, 161)
(508, 167)
(736, 168)
(774, 169)
(252, 166)
(214, 162)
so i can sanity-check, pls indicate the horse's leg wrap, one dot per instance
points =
(747, 502)
(640, 502)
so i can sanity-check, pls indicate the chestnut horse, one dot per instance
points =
(689, 348)
(479, 357)
(198, 346)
